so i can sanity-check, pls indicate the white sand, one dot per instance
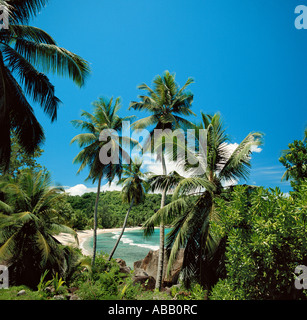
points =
(68, 239)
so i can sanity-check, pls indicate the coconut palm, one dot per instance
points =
(133, 192)
(167, 103)
(26, 54)
(192, 206)
(105, 118)
(28, 222)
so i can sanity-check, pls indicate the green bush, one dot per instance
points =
(102, 283)
(196, 292)
(225, 290)
(266, 240)
(104, 288)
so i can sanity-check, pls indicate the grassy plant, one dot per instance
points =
(57, 283)
(42, 283)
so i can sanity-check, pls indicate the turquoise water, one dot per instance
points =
(132, 247)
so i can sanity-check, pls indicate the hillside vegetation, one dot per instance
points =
(111, 210)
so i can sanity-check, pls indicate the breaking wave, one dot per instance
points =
(128, 239)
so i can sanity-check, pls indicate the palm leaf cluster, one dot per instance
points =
(167, 103)
(105, 117)
(26, 54)
(27, 227)
(134, 182)
(135, 186)
(102, 137)
(192, 206)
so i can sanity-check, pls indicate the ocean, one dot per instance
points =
(132, 247)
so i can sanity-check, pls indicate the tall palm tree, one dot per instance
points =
(133, 192)
(192, 206)
(28, 222)
(26, 54)
(104, 117)
(167, 103)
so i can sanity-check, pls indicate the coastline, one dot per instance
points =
(83, 235)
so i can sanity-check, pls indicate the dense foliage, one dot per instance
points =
(295, 161)
(240, 242)
(266, 241)
(27, 54)
(111, 210)
(28, 222)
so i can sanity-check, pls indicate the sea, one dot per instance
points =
(132, 247)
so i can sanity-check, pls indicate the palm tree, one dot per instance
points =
(27, 224)
(105, 117)
(26, 54)
(134, 190)
(192, 206)
(167, 103)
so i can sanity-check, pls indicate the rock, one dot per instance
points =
(147, 282)
(149, 265)
(137, 264)
(59, 297)
(21, 293)
(49, 289)
(121, 262)
(140, 273)
(125, 270)
(73, 297)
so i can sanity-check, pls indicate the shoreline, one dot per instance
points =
(83, 235)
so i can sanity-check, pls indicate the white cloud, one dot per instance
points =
(256, 149)
(112, 187)
(152, 165)
(80, 189)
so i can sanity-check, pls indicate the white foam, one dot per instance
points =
(126, 240)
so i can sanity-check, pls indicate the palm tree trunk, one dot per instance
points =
(122, 232)
(95, 221)
(162, 231)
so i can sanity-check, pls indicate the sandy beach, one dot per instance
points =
(83, 235)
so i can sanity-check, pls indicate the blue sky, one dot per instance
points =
(246, 57)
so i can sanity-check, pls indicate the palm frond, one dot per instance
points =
(22, 119)
(44, 248)
(51, 58)
(23, 10)
(36, 84)
(165, 214)
(35, 34)
(239, 162)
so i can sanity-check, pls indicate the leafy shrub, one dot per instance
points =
(266, 240)
(225, 290)
(197, 292)
(102, 282)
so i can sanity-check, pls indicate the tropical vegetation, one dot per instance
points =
(192, 222)
(239, 241)
(133, 192)
(167, 103)
(26, 54)
(104, 119)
